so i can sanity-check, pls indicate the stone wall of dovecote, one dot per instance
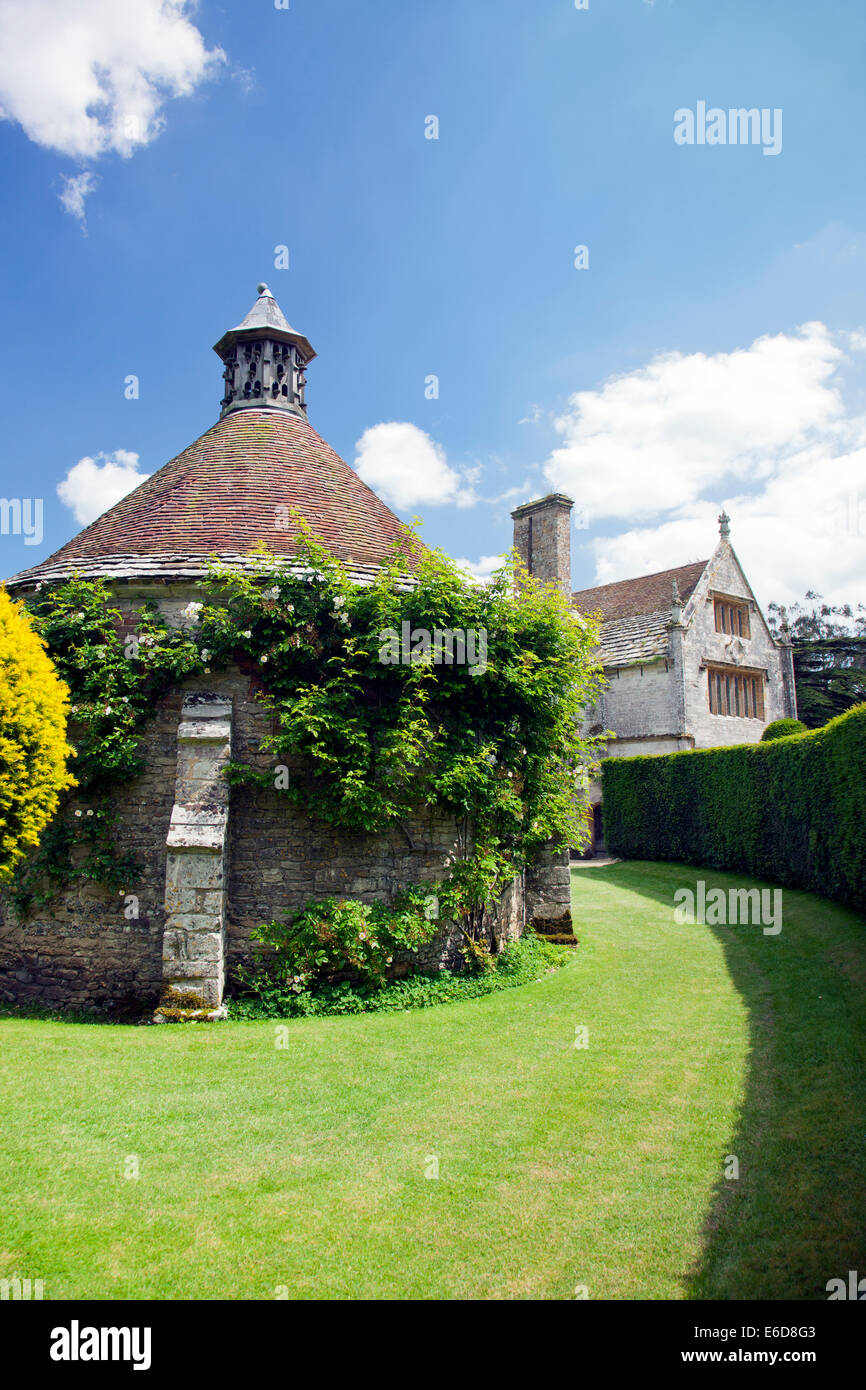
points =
(208, 879)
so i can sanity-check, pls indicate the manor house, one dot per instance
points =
(688, 657)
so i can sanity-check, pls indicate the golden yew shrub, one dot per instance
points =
(34, 708)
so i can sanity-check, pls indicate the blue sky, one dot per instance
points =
(713, 352)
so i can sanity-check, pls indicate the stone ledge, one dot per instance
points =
(204, 731)
(206, 704)
(207, 839)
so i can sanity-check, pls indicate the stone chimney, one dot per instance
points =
(542, 538)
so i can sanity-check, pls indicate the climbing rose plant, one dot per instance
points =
(369, 740)
(34, 706)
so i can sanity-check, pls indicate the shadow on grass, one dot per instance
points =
(796, 1216)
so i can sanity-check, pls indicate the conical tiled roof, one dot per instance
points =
(241, 482)
(235, 486)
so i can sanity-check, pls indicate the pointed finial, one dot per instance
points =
(676, 604)
(262, 289)
(724, 525)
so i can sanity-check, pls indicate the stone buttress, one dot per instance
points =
(194, 938)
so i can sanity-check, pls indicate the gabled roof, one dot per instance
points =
(630, 598)
(235, 486)
(636, 613)
(631, 641)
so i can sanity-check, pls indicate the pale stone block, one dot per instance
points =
(192, 970)
(196, 837)
(204, 730)
(173, 944)
(196, 922)
(203, 704)
(194, 871)
(205, 946)
(209, 900)
(209, 991)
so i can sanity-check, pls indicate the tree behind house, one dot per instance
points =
(829, 656)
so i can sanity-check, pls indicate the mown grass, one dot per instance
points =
(263, 1168)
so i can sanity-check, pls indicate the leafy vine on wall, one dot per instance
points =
(375, 722)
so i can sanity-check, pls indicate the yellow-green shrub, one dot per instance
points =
(34, 707)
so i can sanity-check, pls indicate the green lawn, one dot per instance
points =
(558, 1166)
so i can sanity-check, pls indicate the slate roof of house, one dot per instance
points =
(221, 496)
(635, 613)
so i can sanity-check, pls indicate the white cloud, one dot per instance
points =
(763, 431)
(76, 188)
(658, 438)
(91, 487)
(522, 493)
(92, 76)
(407, 468)
(482, 568)
(806, 529)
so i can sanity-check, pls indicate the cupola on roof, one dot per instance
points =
(265, 360)
(242, 482)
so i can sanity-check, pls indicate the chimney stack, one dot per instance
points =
(542, 538)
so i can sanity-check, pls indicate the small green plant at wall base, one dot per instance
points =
(782, 728)
(519, 963)
(34, 706)
(327, 937)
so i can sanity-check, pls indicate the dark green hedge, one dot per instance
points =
(792, 811)
(782, 728)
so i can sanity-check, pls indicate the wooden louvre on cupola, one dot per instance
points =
(265, 360)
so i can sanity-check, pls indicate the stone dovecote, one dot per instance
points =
(216, 861)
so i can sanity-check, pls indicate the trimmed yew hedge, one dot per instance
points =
(792, 810)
